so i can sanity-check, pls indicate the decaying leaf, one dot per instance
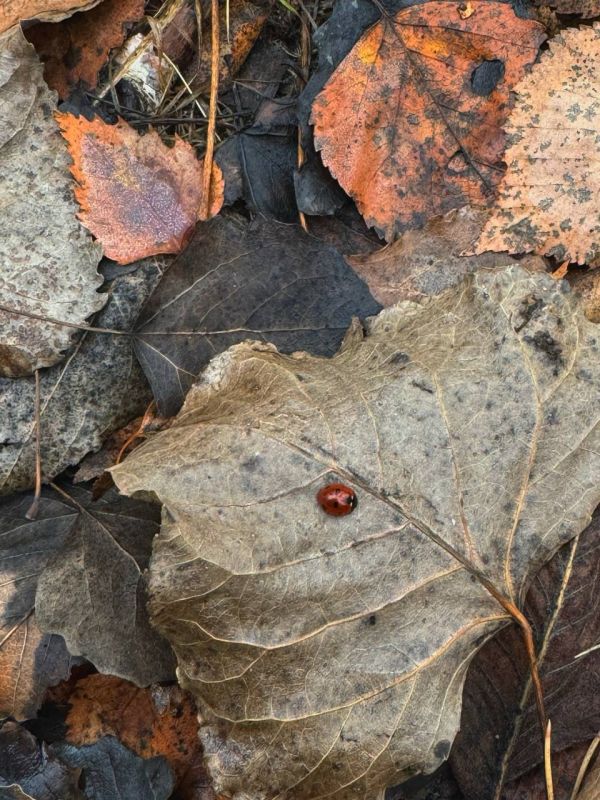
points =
(112, 772)
(137, 196)
(92, 590)
(561, 605)
(586, 283)
(31, 771)
(426, 262)
(237, 281)
(411, 121)
(13, 11)
(548, 200)
(29, 660)
(48, 262)
(75, 50)
(154, 721)
(327, 653)
(584, 8)
(97, 389)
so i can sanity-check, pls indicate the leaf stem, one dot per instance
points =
(212, 112)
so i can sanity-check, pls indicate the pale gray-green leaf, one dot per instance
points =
(328, 654)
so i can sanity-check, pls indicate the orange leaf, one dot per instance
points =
(410, 123)
(158, 721)
(75, 50)
(137, 196)
(13, 11)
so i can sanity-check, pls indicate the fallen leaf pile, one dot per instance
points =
(299, 400)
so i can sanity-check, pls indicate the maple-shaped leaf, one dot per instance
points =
(13, 11)
(411, 121)
(75, 50)
(137, 196)
(327, 653)
(48, 261)
(549, 198)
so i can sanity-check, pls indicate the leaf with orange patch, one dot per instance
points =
(75, 50)
(137, 196)
(410, 123)
(13, 11)
(158, 721)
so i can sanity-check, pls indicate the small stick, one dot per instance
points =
(33, 509)
(304, 68)
(548, 761)
(212, 111)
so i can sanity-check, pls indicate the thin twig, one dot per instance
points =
(304, 70)
(548, 761)
(32, 512)
(584, 766)
(212, 111)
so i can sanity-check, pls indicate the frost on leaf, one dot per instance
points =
(328, 654)
(549, 198)
(48, 262)
(410, 123)
(137, 196)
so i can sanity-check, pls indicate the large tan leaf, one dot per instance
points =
(549, 198)
(328, 653)
(47, 259)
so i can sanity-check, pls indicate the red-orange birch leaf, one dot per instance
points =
(410, 123)
(136, 195)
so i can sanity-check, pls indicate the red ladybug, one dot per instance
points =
(337, 499)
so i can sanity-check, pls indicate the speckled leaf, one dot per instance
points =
(12, 11)
(328, 653)
(30, 661)
(48, 262)
(92, 590)
(550, 196)
(237, 281)
(97, 389)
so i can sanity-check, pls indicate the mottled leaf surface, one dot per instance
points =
(426, 262)
(98, 388)
(93, 593)
(549, 198)
(328, 654)
(410, 123)
(239, 281)
(30, 661)
(112, 772)
(48, 262)
(562, 605)
(28, 770)
(12, 11)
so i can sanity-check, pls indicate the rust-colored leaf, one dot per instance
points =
(549, 196)
(13, 11)
(158, 721)
(410, 123)
(75, 50)
(137, 196)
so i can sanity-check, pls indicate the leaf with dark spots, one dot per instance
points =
(112, 772)
(237, 281)
(48, 261)
(549, 198)
(562, 605)
(327, 653)
(401, 125)
(30, 661)
(426, 262)
(99, 388)
(92, 591)
(28, 770)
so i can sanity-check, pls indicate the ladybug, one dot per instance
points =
(337, 499)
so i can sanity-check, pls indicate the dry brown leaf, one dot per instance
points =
(587, 286)
(426, 262)
(411, 121)
(549, 198)
(13, 11)
(137, 196)
(584, 8)
(158, 721)
(76, 49)
(48, 262)
(327, 654)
